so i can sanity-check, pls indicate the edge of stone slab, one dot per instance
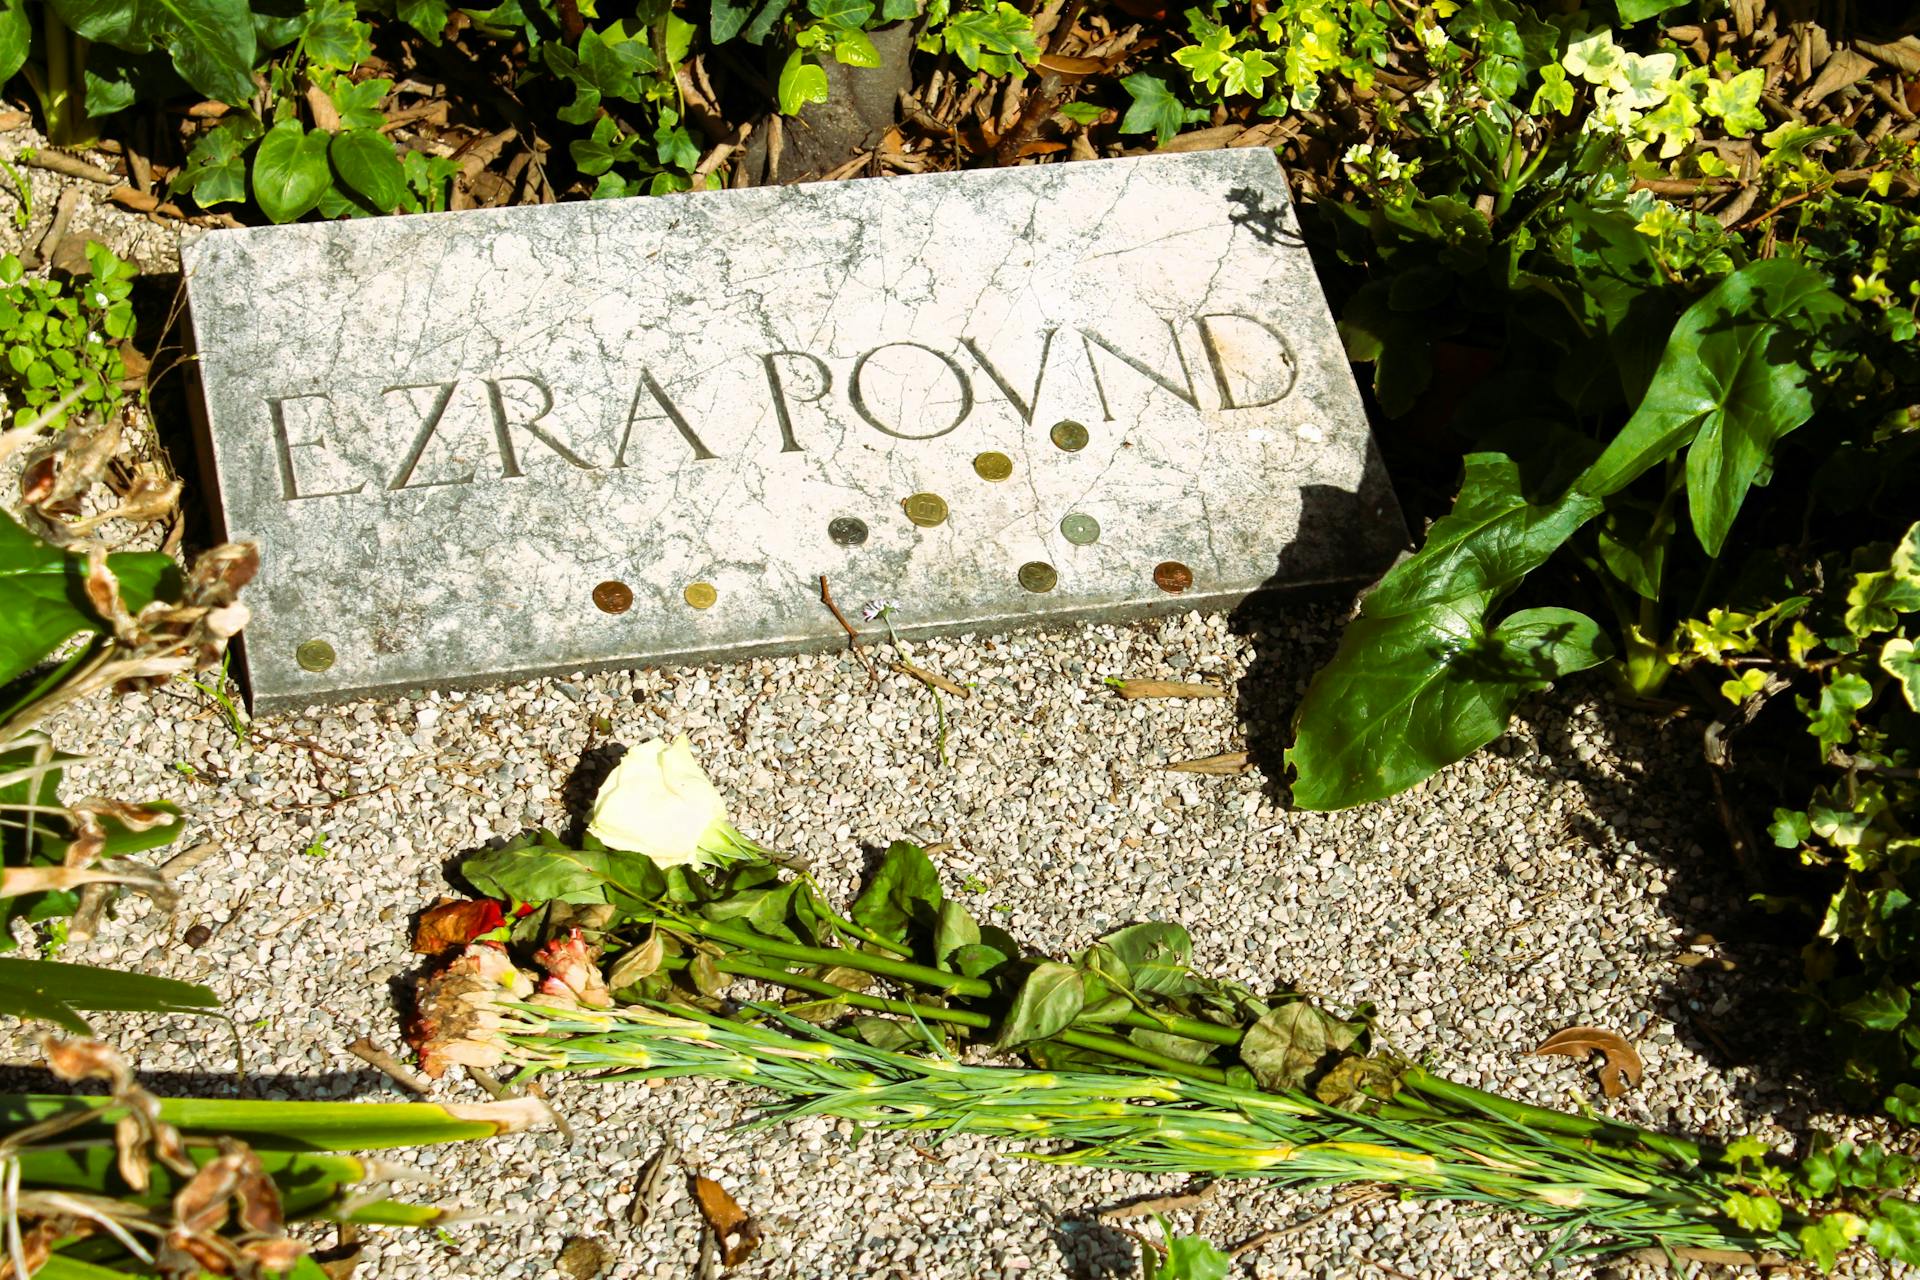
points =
(1260, 600)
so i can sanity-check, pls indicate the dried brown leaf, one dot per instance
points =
(1621, 1068)
(1166, 689)
(454, 923)
(735, 1230)
(1225, 765)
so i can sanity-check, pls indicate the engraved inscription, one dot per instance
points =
(284, 446)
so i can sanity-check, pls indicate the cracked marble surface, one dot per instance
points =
(447, 430)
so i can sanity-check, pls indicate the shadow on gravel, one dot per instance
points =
(1730, 990)
(1091, 1250)
(333, 1086)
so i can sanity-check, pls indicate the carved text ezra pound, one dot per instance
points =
(793, 378)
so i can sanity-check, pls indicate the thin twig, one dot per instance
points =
(387, 1065)
(646, 1194)
(853, 637)
(1159, 1204)
(933, 680)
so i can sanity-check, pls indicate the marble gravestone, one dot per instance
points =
(494, 443)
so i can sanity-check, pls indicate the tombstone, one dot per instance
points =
(483, 445)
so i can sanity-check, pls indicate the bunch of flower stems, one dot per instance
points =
(1597, 1185)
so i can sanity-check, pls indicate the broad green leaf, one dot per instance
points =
(1155, 110)
(1409, 694)
(211, 42)
(841, 13)
(955, 929)
(801, 82)
(290, 170)
(365, 161)
(16, 37)
(1632, 11)
(1194, 1258)
(978, 959)
(1491, 539)
(58, 992)
(45, 592)
(1048, 1001)
(1158, 955)
(855, 48)
(1730, 383)
(333, 37)
(747, 19)
(541, 869)
(1618, 269)
(904, 894)
(1292, 1041)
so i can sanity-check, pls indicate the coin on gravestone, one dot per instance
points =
(701, 595)
(1038, 576)
(992, 466)
(1081, 530)
(926, 509)
(847, 531)
(1069, 435)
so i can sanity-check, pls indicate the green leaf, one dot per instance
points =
(290, 170)
(1491, 539)
(1874, 599)
(904, 894)
(1155, 110)
(1409, 694)
(334, 38)
(538, 868)
(269, 1125)
(855, 49)
(744, 18)
(365, 161)
(1047, 1002)
(1882, 1010)
(216, 168)
(1158, 956)
(1899, 659)
(1191, 1258)
(1632, 11)
(801, 82)
(16, 37)
(45, 593)
(1894, 1231)
(1823, 1239)
(841, 13)
(428, 17)
(954, 930)
(1291, 1042)
(1082, 113)
(1000, 29)
(1730, 383)
(57, 992)
(211, 42)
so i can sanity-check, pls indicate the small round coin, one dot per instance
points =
(847, 531)
(1081, 530)
(1037, 576)
(613, 597)
(701, 595)
(926, 509)
(1172, 577)
(314, 655)
(1069, 435)
(992, 466)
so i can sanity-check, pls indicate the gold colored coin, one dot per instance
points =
(701, 595)
(1069, 435)
(926, 509)
(314, 655)
(1038, 576)
(992, 466)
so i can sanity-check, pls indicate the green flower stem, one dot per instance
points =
(818, 901)
(1110, 1045)
(1540, 1119)
(921, 975)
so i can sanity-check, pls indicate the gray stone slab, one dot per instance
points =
(457, 437)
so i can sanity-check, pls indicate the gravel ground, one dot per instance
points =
(1550, 881)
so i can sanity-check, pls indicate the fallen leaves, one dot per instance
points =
(454, 923)
(733, 1228)
(1225, 765)
(1621, 1067)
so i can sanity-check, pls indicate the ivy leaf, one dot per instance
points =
(1899, 659)
(1826, 1237)
(1832, 721)
(1875, 599)
(1002, 29)
(1881, 1010)
(1736, 102)
(1555, 91)
(1155, 110)
(359, 104)
(1408, 694)
(334, 38)
(801, 82)
(290, 171)
(1249, 72)
(428, 17)
(211, 42)
(841, 13)
(1730, 383)
(216, 168)
(1207, 60)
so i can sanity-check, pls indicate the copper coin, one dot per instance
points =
(613, 597)
(701, 595)
(1172, 577)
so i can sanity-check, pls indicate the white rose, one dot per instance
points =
(660, 803)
